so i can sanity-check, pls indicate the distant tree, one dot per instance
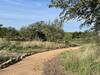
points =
(50, 31)
(41, 30)
(11, 33)
(26, 33)
(3, 31)
(1, 25)
(40, 35)
(56, 29)
(77, 35)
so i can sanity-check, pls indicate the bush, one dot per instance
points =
(3, 59)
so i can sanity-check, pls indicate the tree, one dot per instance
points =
(11, 33)
(3, 31)
(26, 33)
(51, 31)
(41, 30)
(85, 10)
(77, 35)
(1, 25)
(56, 30)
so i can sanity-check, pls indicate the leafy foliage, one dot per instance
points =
(85, 10)
(49, 31)
(3, 59)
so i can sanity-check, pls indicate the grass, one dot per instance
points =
(25, 46)
(83, 62)
(16, 48)
(53, 67)
(3, 59)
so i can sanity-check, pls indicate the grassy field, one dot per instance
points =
(22, 46)
(85, 61)
(9, 49)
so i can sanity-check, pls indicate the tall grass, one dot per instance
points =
(28, 46)
(83, 62)
(42, 44)
(17, 48)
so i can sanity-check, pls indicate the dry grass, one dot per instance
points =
(1, 40)
(9, 45)
(85, 61)
(53, 67)
(15, 48)
(51, 45)
(29, 44)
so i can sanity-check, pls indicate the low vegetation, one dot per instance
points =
(85, 61)
(10, 48)
(4, 59)
(20, 45)
(53, 67)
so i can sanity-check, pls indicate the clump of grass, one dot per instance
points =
(83, 62)
(3, 59)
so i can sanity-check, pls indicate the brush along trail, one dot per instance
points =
(33, 65)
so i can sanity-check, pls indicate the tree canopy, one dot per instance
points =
(40, 30)
(86, 10)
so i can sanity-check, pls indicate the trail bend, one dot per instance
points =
(32, 65)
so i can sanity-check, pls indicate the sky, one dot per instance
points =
(18, 13)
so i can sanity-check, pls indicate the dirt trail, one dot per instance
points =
(33, 65)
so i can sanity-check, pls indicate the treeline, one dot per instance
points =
(74, 35)
(36, 31)
(52, 31)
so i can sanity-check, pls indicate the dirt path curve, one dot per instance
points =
(33, 64)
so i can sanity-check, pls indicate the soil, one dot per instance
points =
(33, 65)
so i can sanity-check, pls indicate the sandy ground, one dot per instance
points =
(33, 64)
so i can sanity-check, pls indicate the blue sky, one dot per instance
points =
(18, 13)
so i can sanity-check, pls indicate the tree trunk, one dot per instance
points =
(97, 26)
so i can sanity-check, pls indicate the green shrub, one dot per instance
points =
(3, 59)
